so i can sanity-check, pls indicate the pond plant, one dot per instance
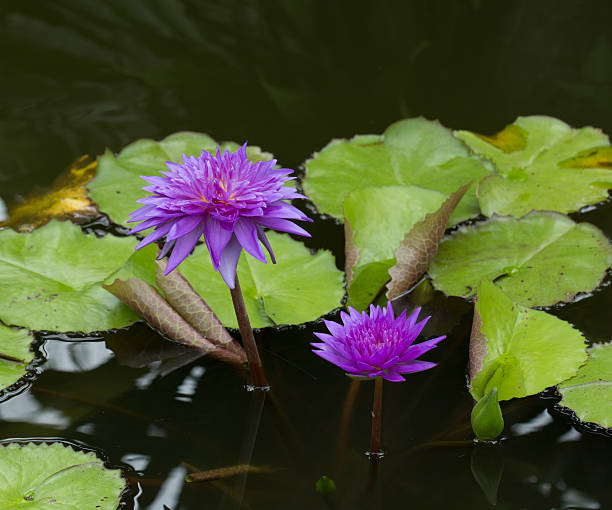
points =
(426, 212)
(376, 346)
(229, 200)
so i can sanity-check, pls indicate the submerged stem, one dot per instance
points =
(246, 332)
(375, 450)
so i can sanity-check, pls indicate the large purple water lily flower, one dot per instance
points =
(224, 197)
(376, 345)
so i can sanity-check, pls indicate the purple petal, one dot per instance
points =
(246, 233)
(336, 360)
(284, 210)
(282, 226)
(393, 377)
(413, 366)
(229, 262)
(185, 226)
(335, 329)
(154, 236)
(183, 247)
(151, 222)
(165, 249)
(217, 238)
(414, 351)
(266, 243)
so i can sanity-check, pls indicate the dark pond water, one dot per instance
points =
(78, 76)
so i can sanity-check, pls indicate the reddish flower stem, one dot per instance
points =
(246, 332)
(376, 418)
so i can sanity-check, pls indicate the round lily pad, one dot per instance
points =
(589, 392)
(538, 260)
(413, 152)
(543, 164)
(50, 279)
(15, 355)
(117, 185)
(299, 288)
(42, 476)
(526, 351)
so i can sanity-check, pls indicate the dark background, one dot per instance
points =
(79, 76)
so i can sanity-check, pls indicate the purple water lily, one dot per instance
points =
(224, 197)
(376, 345)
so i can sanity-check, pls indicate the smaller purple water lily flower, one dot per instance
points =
(376, 345)
(227, 199)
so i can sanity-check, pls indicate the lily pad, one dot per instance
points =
(299, 288)
(117, 185)
(56, 476)
(526, 350)
(67, 199)
(15, 355)
(543, 164)
(50, 279)
(413, 152)
(538, 260)
(419, 246)
(589, 392)
(379, 217)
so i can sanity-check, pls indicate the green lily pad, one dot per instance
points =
(419, 246)
(589, 392)
(543, 164)
(50, 279)
(117, 185)
(56, 476)
(526, 350)
(299, 288)
(379, 217)
(538, 260)
(413, 152)
(15, 355)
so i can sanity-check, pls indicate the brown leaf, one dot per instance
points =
(191, 307)
(351, 252)
(67, 199)
(216, 474)
(146, 301)
(419, 246)
(478, 345)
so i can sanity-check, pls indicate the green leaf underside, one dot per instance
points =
(527, 350)
(118, 185)
(538, 260)
(413, 152)
(379, 218)
(56, 476)
(419, 246)
(14, 343)
(299, 288)
(589, 392)
(50, 279)
(543, 164)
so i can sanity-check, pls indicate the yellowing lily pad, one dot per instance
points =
(67, 199)
(542, 164)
